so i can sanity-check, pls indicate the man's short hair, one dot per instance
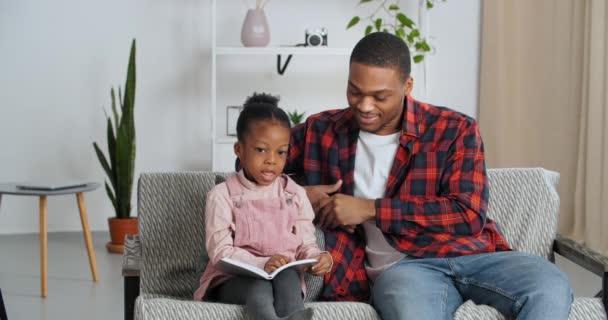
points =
(382, 49)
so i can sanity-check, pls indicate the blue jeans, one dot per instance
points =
(517, 284)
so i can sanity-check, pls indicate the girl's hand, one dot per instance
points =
(276, 261)
(323, 266)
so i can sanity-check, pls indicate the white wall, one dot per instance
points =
(453, 72)
(60, 58)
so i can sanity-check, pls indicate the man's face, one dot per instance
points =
(376, 96)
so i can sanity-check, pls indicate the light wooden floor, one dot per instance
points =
(71, 292)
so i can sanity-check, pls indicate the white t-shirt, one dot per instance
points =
(375, 155)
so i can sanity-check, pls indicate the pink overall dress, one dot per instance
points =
(263, 227)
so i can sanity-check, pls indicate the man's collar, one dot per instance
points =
(411, 118)
(345, 121)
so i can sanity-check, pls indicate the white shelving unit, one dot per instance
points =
(225, 142)
(282, 50)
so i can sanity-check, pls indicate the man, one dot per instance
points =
(401, 191)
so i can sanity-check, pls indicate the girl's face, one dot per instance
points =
(263, 151)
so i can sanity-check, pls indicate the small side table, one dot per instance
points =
(12, 189)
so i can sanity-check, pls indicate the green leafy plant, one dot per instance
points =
(387, 16)
(120, 163)
(296, 117)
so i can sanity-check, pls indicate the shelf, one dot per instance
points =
(225, 140)
(283, 50)
(222, 157)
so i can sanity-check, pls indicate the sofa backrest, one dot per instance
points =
(171, 227)
(171, 223)
(525, 204)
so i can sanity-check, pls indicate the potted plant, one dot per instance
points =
(120, 163)
(387, 16)
(296, 117)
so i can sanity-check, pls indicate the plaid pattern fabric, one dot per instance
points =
(436, 197)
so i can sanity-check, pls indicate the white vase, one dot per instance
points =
(255, 32)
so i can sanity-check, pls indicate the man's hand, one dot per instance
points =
(345, 211)
(323, 266)
(316, 193)
(276, 261)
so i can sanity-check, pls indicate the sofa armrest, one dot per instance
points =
(131, 268)
(586, 258)
(581, 255)
(131, 258)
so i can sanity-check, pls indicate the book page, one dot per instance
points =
(236, 267)
(300, 265)
(241, 268)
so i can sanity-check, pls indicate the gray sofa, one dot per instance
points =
(163, 264)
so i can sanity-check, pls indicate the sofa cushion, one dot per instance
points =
(582, 309)
(172, 309)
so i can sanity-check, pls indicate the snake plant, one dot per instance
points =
(120, 163)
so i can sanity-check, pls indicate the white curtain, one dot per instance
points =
(591, 191)
(542, 101)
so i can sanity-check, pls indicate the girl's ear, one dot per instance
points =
(238, 149)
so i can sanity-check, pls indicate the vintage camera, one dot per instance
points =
(316, 37)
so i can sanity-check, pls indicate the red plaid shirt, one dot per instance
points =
(436, 196)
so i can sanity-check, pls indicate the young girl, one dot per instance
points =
(261, 217)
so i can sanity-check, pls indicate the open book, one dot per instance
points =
(244, 269)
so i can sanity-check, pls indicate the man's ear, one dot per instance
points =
(408, 86)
